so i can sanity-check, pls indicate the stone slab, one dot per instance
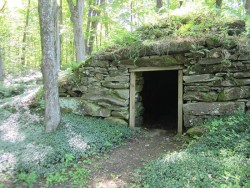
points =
(70, 104)
(200, 96)
(209, 61)
(232, 93)
(116, 85)
(117, 120)
(215, 108)
(242, 75)
(108, 99)
(88, 108)
(200, 78)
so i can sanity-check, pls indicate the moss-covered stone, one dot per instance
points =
(196, 131)
(116, 120)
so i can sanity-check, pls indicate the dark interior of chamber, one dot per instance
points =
(160, 100)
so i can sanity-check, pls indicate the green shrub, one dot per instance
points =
(220, 158)
(28, 178)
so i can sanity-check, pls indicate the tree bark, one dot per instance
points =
(247, 7)
(25, 34)
(93, 26)
(1, 66)
(218, 3)
(50, 72)
(57, 35)
(77, 20)
(158, 4)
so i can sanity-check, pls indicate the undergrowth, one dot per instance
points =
(220, 158)
(37, 153)
(11, 90)
(198, 21)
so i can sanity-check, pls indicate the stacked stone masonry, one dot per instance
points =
(216, 80)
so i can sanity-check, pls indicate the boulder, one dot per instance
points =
(116, 120)
(196, 131)
(215, 108)
(233, 93)
(120, 114)
(191, 121)
(70, 104)
(122, 93)
(200, 96)
(88, 108)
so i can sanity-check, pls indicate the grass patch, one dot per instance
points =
(32, 153)
(220, 158)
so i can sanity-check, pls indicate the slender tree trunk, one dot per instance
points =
(25, 34)
(60, 35)
(247, 7)
(158, 4)
(77, 20)
(50, 72)
(131, 16)
(94, 24)
(57, 35)
(1, 66)
(218, 3)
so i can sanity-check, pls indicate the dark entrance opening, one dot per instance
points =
(160, 100)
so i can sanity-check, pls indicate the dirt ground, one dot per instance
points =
(119, 168)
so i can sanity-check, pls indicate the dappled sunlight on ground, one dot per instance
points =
(7, 164)
(9, 130)
(35, 153)
(110, 183)
(78, 143)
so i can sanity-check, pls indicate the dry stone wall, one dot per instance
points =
(216, 80)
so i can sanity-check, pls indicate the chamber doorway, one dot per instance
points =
(160, 99)
(157, 110)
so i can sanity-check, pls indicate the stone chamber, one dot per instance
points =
(191, 81)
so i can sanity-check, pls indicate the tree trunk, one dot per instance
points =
(218, 3)
(77, 20)
(158, 4)
(50, 72)
(247, 7)
(25, 34)
(57, 35)
(94, 23)
(131, 16)
(60, 35)
(1, 66)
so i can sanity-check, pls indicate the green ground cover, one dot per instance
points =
(220, 158)
(27, 152)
